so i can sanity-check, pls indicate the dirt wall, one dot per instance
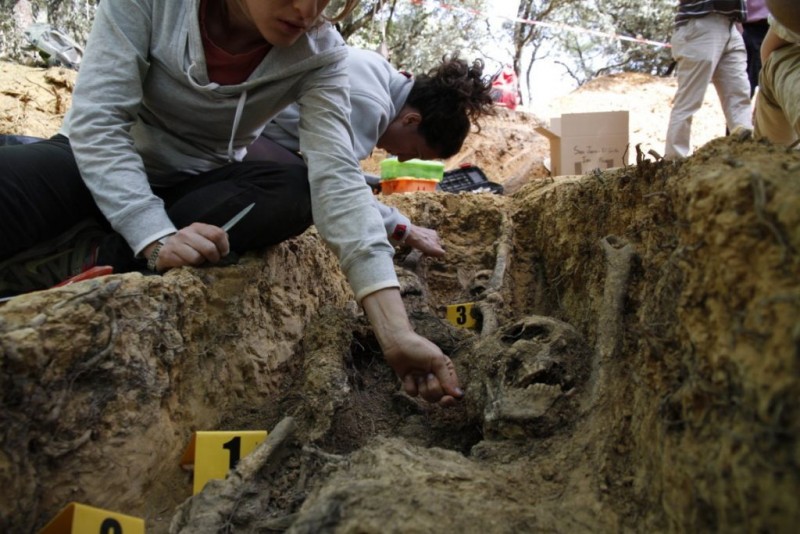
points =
(103, 382)
(706, 410)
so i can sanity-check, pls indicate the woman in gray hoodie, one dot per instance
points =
(169, 96)
(427, 116)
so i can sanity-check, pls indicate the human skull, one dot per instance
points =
(530, 373)
(480, 283)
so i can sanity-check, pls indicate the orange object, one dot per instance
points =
(407, 185)
(95, 272)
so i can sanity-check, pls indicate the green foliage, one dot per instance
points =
(577, 34)
(589, 38)
(588, 55)
(73, 17)
(532, 35)
(418, 34)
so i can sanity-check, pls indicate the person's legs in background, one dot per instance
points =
(696, 46)
(730, 80)
(753, 35)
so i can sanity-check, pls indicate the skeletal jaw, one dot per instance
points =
(518, 412)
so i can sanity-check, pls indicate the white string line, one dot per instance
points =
(575, 29)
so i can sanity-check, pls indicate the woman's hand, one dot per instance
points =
(421, 365)
(195, 244)
(425, 240)
(424, 369)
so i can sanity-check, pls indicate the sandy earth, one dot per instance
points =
(634, 369)
(508, 150)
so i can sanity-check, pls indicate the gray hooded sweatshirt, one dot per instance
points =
(377, 94)
(144, 109)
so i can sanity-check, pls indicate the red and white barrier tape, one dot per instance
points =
(567, 27)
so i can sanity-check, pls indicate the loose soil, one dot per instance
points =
(636, 365)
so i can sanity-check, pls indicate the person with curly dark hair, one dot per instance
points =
(427, 117)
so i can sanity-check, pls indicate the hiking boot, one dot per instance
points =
(51, 262)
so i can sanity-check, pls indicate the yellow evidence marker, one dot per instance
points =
(76, 518)
(211, 454)
(460, 315)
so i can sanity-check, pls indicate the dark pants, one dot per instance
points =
(42, 195)
(753, 34)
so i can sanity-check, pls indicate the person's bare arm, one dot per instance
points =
(423, 368)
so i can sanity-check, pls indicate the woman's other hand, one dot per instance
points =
(195, 244)
(425, 240)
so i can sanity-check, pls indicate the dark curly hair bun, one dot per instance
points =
(450, 98)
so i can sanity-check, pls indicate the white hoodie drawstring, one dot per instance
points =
(236, 119)
(239, 107)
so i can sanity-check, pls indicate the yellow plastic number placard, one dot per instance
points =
(212, 454)
(78, 518)
(460, 315)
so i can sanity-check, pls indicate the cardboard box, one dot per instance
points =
(581, 142)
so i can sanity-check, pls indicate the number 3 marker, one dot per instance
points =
(460, 315)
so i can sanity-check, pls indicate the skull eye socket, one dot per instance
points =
(525, 331)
